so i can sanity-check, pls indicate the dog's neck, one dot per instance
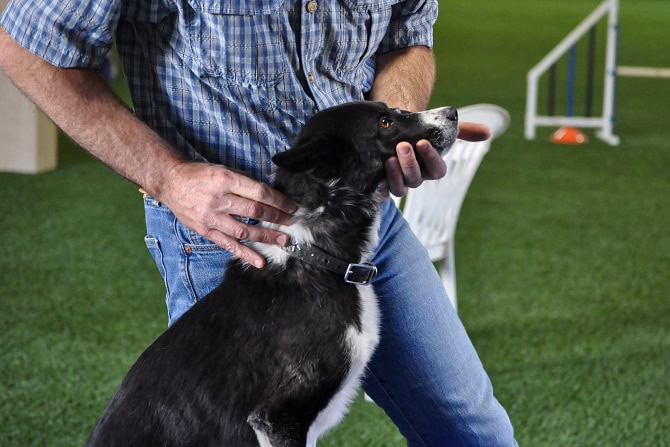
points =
(332, 216)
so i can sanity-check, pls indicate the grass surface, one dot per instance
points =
(563, 256)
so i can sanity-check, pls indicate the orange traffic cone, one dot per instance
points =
(569, 135)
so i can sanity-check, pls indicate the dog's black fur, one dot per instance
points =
(260, 359)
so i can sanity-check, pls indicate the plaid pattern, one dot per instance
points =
(227, 81)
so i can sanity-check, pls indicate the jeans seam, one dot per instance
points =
(185, 256)
(391, 398)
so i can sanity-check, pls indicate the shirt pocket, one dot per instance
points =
(240, 41)
(358, 44)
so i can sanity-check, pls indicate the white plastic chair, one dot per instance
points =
(432, 209)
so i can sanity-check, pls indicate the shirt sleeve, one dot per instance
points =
(65, 33)
(411, 24)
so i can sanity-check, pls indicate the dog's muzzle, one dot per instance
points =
(443, 123)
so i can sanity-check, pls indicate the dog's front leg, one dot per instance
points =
(282, 430)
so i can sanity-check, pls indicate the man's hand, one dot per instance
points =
(407, 171)
(207, 197)
(405, 79)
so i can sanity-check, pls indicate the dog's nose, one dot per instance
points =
(452, 114)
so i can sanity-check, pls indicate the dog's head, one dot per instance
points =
(352, 141)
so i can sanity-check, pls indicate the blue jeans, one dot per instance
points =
(425, 373)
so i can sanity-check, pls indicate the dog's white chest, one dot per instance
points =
(361, 344)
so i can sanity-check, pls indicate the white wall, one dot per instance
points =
(27, 137)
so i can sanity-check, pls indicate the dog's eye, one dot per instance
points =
(385, 122)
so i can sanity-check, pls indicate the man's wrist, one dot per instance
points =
(405, 78)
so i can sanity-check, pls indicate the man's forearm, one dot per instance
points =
(203, 196)
(405, 78)
(80, 102)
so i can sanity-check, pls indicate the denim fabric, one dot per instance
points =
(425, 373)
(191, 265)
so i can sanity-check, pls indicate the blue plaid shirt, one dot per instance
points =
(227, 81)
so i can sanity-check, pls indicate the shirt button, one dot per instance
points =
(312, 6)
(311, 77)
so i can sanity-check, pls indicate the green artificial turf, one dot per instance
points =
(563, 257)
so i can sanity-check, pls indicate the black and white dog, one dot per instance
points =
(273, 357)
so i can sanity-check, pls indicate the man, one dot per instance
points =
(218, 87)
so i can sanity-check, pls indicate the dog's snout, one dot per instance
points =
(443, 123)
(452, 114)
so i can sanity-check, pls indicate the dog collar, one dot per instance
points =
(353, 273)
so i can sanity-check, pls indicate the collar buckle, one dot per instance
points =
(361, 274)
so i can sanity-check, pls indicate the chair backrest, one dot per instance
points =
(432, 209)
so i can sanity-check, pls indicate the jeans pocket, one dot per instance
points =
(191, 265)
(203, 261)
(205, 266)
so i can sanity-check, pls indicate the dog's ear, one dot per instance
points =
(293, 160)
(313, 154)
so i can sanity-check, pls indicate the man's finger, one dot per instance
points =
(394, 178)
(411, 169)
(238, 230)
(473, 131)
(264, 194)
(237, 248)
(384, 190)
(229, 237)
(432, 163)
(231, 204)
